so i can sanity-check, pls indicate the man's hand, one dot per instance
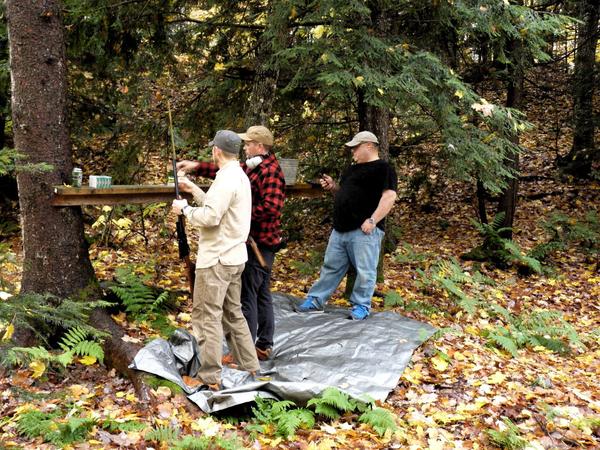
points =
(178, 206)
(368, 226)
(187, 166)
(327, 183)
(183, 182)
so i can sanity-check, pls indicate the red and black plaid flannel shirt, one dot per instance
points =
(268, 195)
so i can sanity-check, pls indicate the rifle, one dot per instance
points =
(184, 248)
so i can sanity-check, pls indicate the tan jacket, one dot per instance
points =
(223, 218)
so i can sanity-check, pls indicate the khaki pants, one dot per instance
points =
(217, 311)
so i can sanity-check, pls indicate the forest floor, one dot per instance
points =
(458, 386)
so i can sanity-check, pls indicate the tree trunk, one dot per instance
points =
(514, 98)
(264, 89)
(578, 162)
(55, 253)
(377, 121)
(59, 265)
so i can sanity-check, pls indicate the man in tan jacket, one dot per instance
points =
(223, 217)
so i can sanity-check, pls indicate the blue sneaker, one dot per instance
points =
(310, 306)
(359, 312)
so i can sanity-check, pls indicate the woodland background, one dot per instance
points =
(486, 108)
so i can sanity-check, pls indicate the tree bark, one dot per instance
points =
(377, 121)
(55, 254)
(514, 99)
(264, 88)
(578, 162)
(59, 265)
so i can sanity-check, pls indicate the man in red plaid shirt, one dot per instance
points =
(268, 194)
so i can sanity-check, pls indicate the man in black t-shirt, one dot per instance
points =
(365, 195)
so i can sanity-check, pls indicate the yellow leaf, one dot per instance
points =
(459, 94)
(10, 329)
(184, 317)
(439, 363)
(38, 368)
(88, 360)
(326, 444)
(381, 91)
(318, 31)
(77, 391)
(359, 81)
(413, 375)
(219, 67)
(497, 378)
(472, 330)
(207, 426)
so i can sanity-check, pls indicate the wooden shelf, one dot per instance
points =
(139, 194)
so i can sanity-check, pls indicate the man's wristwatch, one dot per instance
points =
(371, 221)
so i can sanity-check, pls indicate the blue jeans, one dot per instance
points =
(358, 248)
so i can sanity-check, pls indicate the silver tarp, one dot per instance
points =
(311, 352)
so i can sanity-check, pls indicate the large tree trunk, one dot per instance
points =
(578, 162)
(55, 255)
(56, 258)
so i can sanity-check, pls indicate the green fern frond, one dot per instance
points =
(162, 434)
(34, 423)
(392, 298)
(75, 342)
(139, 299)
(380, 419)
(509, 439)
(504, 342)
(289, 421)
(89, 348)
(334, 397)
(18, 356)
(127, 426)
(323, 409)
(73, 337)
(51, 428)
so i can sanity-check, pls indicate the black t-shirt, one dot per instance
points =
(360, 191)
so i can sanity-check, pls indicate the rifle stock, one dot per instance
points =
(257, 253)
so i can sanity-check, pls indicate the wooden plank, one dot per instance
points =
(140, 194)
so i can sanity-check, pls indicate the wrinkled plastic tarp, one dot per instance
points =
(311, 352)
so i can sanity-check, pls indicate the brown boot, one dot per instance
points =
(227, 360)
(264, 355)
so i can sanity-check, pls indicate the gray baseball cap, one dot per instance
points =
(363, 136)
(227, 140)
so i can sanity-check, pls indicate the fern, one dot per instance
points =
(407, 255)
(116, 425)
(139, 299)
(207, 443)
(310, 265)
(76, 342)
(50, 428)
(279, 414)
(537, 328)
(503, 341)
(162, 434)
(380, 419)
(332, 398)
(509, 439)
(392, 298)
(44, 315)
